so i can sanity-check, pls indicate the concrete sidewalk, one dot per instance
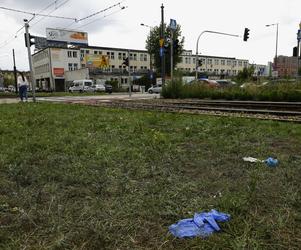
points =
(117, 96)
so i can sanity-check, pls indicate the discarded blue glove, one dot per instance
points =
(271, 162)
(202, 224)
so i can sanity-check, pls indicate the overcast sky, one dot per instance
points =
(121, 27)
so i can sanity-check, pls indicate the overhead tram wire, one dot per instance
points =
(56, 8)
(9, 40)
(94, 14)
(38, 14)
(98, 19)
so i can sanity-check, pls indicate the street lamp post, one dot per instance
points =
(275, 24)
(150, 55)
(197, 47)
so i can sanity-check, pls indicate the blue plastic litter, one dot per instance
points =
(202, 224)
(271, 162)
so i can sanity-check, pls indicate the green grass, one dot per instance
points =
(78, 177)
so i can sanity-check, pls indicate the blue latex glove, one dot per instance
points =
(271, 162)
(202, 224)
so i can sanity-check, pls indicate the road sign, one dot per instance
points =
(161, 52)
(173, 24)
(161, 41)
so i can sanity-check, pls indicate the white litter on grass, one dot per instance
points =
(252, 159)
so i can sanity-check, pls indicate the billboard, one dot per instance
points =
(96, 61)
(69, 36)
(58, 71)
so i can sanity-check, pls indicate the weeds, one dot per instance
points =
(77, 177)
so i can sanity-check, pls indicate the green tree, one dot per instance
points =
(245, 74)
(153, 47)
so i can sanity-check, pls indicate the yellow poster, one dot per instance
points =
(97, 61)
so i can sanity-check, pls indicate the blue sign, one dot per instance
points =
(299, 35)
(161, 52)
(173, 24)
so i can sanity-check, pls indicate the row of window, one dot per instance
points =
(71, 54)
(121, 55)
(234, 63)
(72, 66)
(42, 69)
(40, 56)
(217, 71)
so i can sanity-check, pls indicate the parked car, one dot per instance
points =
(155, 89)
(100, 88)
(11, 88)
(109, 88)
(209, 83)
(81, 86)
(225, 83)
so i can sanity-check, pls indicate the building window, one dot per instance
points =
(229, 62)
(75, 66)
(69, 53)
(239, 63)
(75, 54)
(95, 52)
(209, 61)
(87, 51)
(112, 55)
(222, 62)
(83, 65)
(119, 56)
(216, 61)
(234, 63)
(70, 66)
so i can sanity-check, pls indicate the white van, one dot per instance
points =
(82, 86)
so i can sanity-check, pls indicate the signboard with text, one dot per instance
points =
(69, 36)
(58, 71)
(96, 61)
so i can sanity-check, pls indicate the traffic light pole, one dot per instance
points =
(130, 86)
(162, 37)
(33, 85)
(197, 47)
(171, 57)
(15, 72)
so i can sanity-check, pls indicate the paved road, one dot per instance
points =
(104, 98)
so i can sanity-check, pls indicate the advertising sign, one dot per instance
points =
(58, 71)
(97, 61)
(69, 36)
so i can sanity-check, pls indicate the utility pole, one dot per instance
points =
(15, 72)
(33, 85)
(298, 50)
(130, 85)
(163, 39)
(171, 56)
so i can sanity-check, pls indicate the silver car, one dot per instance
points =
(155, 89)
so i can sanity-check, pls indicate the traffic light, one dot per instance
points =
(295, 51)
(126, 61)
(246, 34)
(176, 46)
(166, 48)
(31, 40)
(200, 62)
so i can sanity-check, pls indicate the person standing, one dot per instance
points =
(22, 84)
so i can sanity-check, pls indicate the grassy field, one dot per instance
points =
(77, 177)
